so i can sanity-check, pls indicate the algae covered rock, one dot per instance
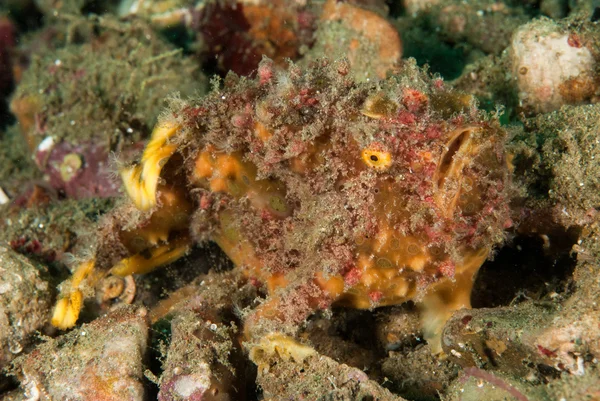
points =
(555, 64)
(25, 300)
(98, 361)
(367, 39)
(557, 159)
(318, 377)
(486, 25)
(416, 374)
(48, 233)
(198, 364)
(80, 102)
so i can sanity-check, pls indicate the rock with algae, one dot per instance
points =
(98, 361)
(204, 360)
(416, 374)
(486, 25)
(482, 25)
(233, 35)
(555, 63)
(199, 360)
(318, 378)
(50, 232)
(79, 102)
(539, 350)
(547, 64)
(366, 38)
(556, 159)
(25, 301)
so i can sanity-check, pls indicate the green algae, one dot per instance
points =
(110, 86)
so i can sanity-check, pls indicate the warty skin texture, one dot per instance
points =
(327, 191)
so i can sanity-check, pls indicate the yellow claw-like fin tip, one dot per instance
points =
(136, 188)
(82, 272)
(164, 130)
(66, 311)
(141, 181)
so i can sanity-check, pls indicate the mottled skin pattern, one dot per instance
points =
(326, 191)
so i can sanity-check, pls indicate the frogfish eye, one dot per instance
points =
(377, 159)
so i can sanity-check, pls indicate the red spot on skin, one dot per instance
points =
(323, 304)
(297, 147)
(343, 70)
(192, 112)
(265, 72)
(415, 101)
(432, 233)
(375, 296)
(377, 146)
(447, 269)
(352, 277)
(404, 117)
(423, 281)
(205, 202)
(305, 98)
(546, 352)
(266, 215)
(433, 132)
(429, 169)
(241, 121)
(33, 247)
(574, 41)
(466, 319)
